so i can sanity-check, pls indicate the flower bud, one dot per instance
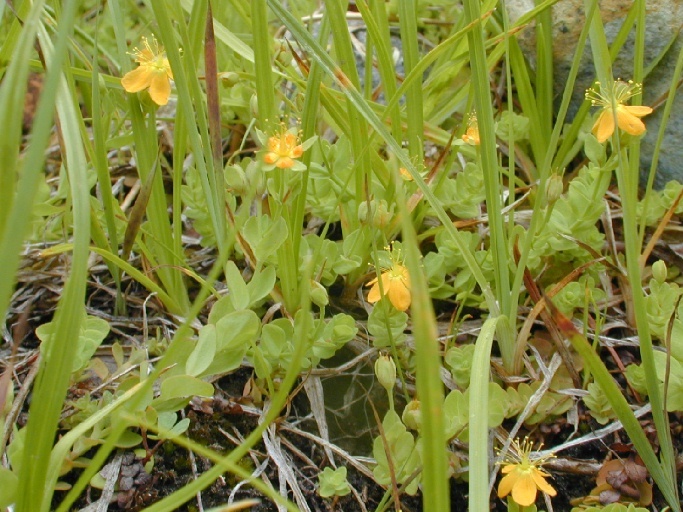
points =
(228, 78)
(554, 186)
(412, 416)
(319, 294)
(385, 369)
(659, 271)
(253, 105)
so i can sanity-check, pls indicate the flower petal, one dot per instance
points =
(374, 295)
(638, 110)
(542, 484)
(506, 484)
(399, 295)
(284, 163)
(160, 88)
(137, 80)
(604, 125)
(524, 491)
(629, 122)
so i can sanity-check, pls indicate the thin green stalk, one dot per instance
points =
(489, 164)
(99, 123)
(620, 406)
(479, 496)
(358, 131)
(190, 95)
(666, 114)
(17, 194)
(53, 379)
(317, 53)
(407, 14)
(262, 63)
(627, 179)
(435, 492)
(375, 17)
(540, 207)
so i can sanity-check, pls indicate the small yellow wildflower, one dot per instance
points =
(395, 284)
(154, 72)
(471, 135)
(523, 476)
(283, 150)
(405, 174)
(612, 103)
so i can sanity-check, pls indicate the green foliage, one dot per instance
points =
(457, 411)
(9, 482)
(574, 217)
(612, 507)
(92, 334)
(403, 454)
(578, 295)
(598, 405)
(459, 361)
(387, 325)
(332, 482)
(660, 303)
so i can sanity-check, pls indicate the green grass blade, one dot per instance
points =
(320, 55)
(620, 407)
(53, 379)
(479, 417)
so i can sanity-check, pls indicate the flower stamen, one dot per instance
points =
(611, 99)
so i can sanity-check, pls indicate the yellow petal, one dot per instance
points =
(507, 482)
(137, 80)
(604, 125)
(524, 491)
(374, 295)
(507, 468)
(297, 151)
(638, 110)
(284, 163)
(160, 88)
(542, 484)
(399, 295)
(629, 122)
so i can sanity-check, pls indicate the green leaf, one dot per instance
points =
(261, 284)
(333, 482)
(237, 328)
(674, 393)
(92, 333)
(8, 487)
(404, 454)
(239, 295)
(180, 386)
(264, 235)
(203, 353)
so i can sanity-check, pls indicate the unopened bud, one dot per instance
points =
(385, 369)
(228, 78)
(554, 187)
(412, 416)
(319, 294)
(659, 271)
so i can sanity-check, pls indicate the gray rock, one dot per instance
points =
(664, 21)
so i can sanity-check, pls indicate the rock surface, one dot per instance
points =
(664, 21)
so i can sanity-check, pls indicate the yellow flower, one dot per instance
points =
(523, 476)
(395, 284)
(154, 72)
(283, 150)
(405, 174)
(471, 135)
(612, 103)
